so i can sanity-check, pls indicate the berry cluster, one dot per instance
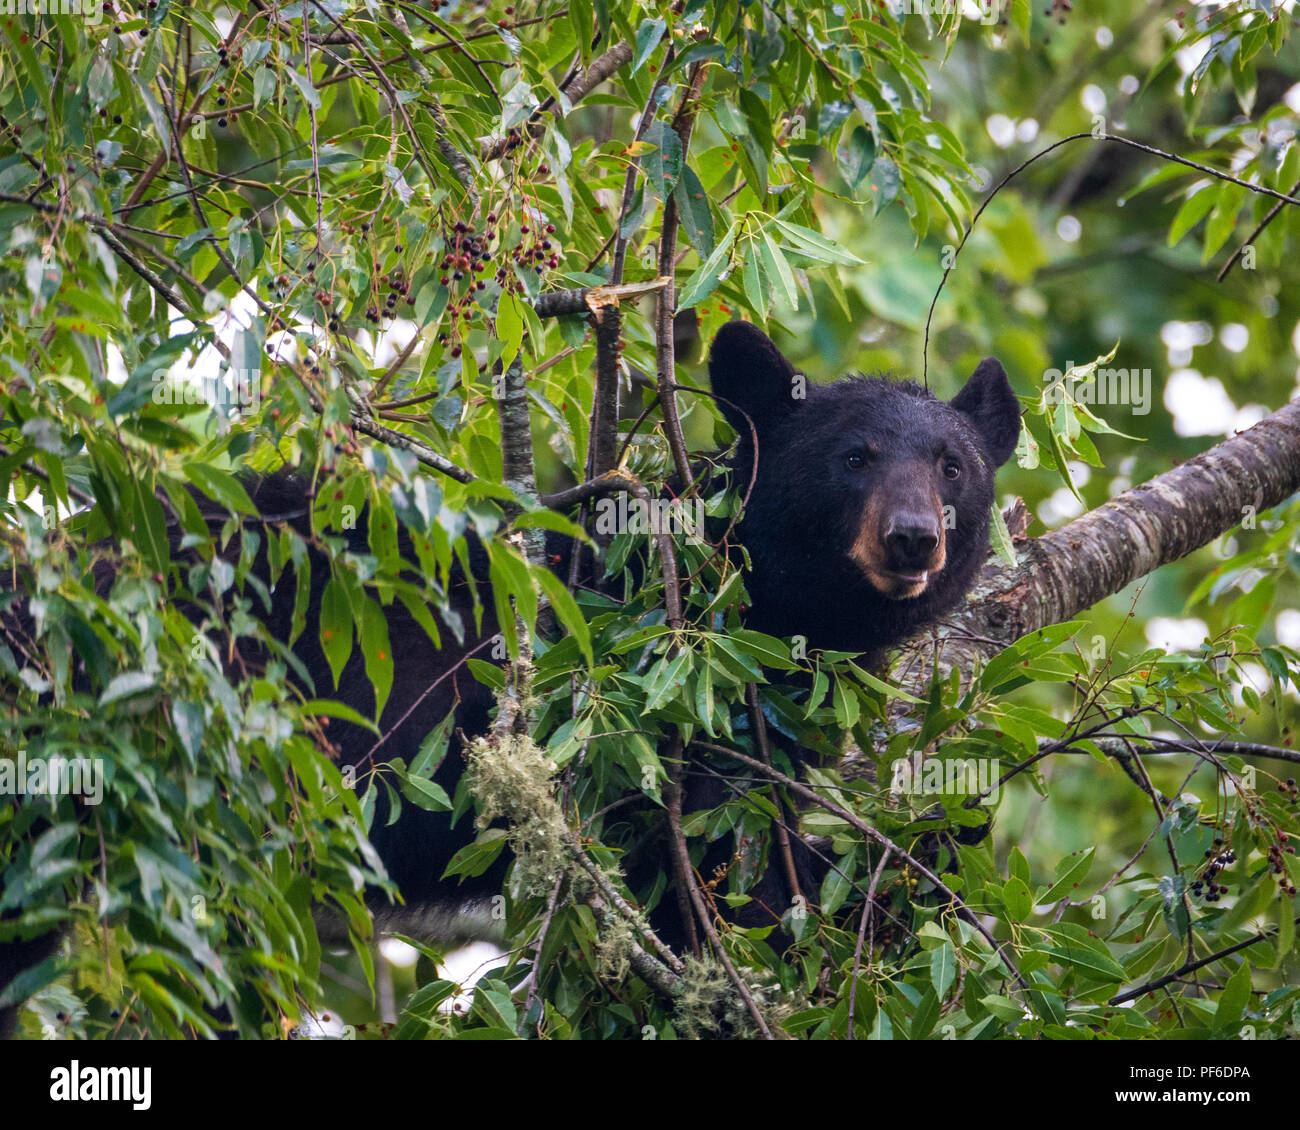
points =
(1277, 863)
(467, 255)
(1219, 860)
(399, 287)
(1057, 10)
(539, 252)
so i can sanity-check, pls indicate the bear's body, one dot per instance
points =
(859, 531)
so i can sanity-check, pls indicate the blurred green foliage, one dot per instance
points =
(330, 187)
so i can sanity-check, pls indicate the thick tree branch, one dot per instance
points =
(1073, 568)
(601, 68)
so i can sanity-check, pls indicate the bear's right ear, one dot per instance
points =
(749, 375)
(989, 400)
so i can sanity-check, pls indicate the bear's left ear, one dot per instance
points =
(988, 400)
(750, 375)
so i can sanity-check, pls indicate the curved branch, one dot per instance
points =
(1073, 568)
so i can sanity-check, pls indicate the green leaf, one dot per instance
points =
(943, 968)
(125, 685)
(815, 245)
(149, 526)
(309, 92)
(1019, 902)
(335, 709)
(648, 37)
(1192, 212)
(566, 608)
(694, 212)
(756, 281)
(705, 280)
(429, 795)
(886, 181)
(220, 487)
(1021, 16)
(1070, 872)
(18, 32)
(856, 156)
(475, 858)
(377, 651)
(663, 164)
(509, 327)
(777, 268)
(1234, 998)
(263, 86)
(1070, 945)
(1001, 536)
(336, 627)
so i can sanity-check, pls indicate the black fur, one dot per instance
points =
(804, 516)
(807, 505)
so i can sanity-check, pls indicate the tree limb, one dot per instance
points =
(1073, 568)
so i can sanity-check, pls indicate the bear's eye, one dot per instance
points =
(855, 461)
(951, 469)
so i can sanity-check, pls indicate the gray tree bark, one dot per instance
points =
(1072, 568)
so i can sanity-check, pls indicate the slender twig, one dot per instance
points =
(1262, 190)
(1191, 966)
(422, 451)
(868, 917)
(666, 306)
(759, 724)
(1259, 228)
(685, 878)
(962, 910)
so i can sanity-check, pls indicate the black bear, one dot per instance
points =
(869, 515)
(867, 520)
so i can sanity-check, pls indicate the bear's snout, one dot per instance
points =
(900, 550)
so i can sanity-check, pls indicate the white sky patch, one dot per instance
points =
(1104, 36)
(1287, 627)
(1080, 473)
(1069, 229)
(1252, 675)
(1248, 415)
(1001, 129)
(1181, 338)
(1027, 130)
(327, 1026)
(1129, 84)
(399, 953)
(1093, 98)
(227, 321)
(1200, 405)
(282, 346)
(1243, 157)
(1059, 507)
(1234, 337)
(1292, 98)
(1190, 56)
(114, 366)
(466, 966)
(1173, 634)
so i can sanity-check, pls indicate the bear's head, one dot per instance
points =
(870, 509)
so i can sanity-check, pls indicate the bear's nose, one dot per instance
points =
(912, 539)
